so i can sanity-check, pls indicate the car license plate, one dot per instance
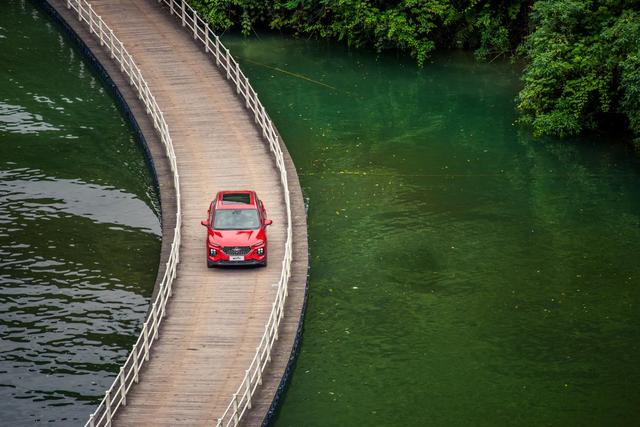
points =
(236, 258)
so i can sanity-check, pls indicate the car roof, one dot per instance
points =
(239, 199)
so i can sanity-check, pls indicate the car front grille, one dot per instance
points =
(236, 250)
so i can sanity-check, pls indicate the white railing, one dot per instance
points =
(116, 395)
(240, 401)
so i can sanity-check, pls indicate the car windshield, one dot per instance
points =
(236, 219)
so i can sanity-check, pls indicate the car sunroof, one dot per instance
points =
(236, 198)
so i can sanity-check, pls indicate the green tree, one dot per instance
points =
(414, 26)
(582, 66)
(583, 56)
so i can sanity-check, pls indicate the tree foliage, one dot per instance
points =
(583, 56)
(415, 26)
(583, 65)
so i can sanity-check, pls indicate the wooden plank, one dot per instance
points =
(215, 319)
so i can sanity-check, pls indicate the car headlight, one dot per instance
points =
(260, 251)
(213, 252)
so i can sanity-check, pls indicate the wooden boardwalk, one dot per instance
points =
(215, 318)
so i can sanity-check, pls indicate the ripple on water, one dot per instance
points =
(16, 119)
(79, 227)
(67, 317)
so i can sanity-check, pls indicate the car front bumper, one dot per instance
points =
(226, 263)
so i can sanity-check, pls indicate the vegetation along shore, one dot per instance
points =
(582, 57)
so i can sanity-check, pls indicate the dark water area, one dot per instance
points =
(79, 226)
(462, 272)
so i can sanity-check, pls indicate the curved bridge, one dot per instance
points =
(216, 343)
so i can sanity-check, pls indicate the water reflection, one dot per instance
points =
(67, 317)
(33, 195)
(15, 119)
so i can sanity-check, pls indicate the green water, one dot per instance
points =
(462, 273)
(79, 226)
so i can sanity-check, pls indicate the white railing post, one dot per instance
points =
(264, 121)
(130, 71)
(268, 335)
(91, 13)
(167, 291)
(237, 77)
(92, 423)
(147, 103)
(171, 6)
(68, 4)
(79, 11)
(100, 31)
(248, 382)
(259, 371)
(216, 45)
(107, 406)
(235, 409)
(282, 304)
(156, 323)
(184, 15)
(121, 58)
(195, 25)
(146, 342)
(246, 91)
(206, 37)
(275, 313)
(228, 64)
(123, 386)
(134, 354)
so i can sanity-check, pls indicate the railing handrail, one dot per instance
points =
(240, 401)
(115, 396)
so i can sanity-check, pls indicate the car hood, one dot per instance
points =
(236, 237)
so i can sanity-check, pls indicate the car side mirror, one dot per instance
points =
(268, 222)
(205, 222)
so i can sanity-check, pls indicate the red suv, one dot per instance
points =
(236, 229)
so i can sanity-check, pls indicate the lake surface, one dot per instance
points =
(79, 227)
(462, 273)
